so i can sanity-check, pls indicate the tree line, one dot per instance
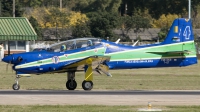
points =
(98, 18)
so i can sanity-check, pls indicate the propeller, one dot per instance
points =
(11, 60)
(8, 65)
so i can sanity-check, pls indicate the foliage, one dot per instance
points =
(7, 8)
(76, 18)
(158, 7)
(164, 21)
(163, 33)
(54, 17)
(87, 6)
(102, 24)
(103, 15)
(196, 19)
(41, 14)
(32, 3)
(81, 30)
(136, 23)
(36, 27)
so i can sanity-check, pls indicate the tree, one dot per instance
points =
(196, 19)
(163, 33)
(32, 3)
(110, 6)
(7, 8)
(164, 22)
(136, 23)
(76, 18)
(36, 26)
(158, 7)
(102, 24)
(81, 30)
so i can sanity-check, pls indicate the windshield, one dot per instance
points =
(73, 44)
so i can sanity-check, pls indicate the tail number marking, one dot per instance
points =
(187, 32)
(138, 61)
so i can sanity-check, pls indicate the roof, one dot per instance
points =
(148, 34)
(196, 32)
(18, 28)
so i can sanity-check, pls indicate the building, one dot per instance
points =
(15, 34)
(150, 34)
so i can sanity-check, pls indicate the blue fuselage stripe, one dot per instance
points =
(171, 62)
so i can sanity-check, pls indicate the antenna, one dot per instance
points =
(189, 9)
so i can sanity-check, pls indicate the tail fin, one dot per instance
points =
(180, 31)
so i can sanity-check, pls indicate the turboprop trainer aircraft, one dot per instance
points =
(89, 54)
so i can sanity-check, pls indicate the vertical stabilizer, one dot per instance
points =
(180, 31)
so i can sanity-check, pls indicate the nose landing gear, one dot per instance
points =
(16, 85)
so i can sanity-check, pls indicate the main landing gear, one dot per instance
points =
(87, 84)
(71, 83)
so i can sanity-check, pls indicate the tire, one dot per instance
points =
(87, 85)
(16, 86)
(71, 85)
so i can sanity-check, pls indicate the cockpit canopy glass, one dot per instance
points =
(73, 44)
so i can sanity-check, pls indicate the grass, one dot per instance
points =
(177, 78)
(92, 108)
(184, 78)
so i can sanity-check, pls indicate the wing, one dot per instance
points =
(94, 60)
(171, 52)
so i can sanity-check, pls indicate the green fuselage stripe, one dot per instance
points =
(134, 54)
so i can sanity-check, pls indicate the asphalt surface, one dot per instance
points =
(93, 92)
(99, 97)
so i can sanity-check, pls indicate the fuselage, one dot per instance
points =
(122, 57)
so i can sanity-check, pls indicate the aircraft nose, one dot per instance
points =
(7, 59)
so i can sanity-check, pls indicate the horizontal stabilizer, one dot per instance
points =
(171, 52)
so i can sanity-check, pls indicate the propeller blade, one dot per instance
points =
(7, 66)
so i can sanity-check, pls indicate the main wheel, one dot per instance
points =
(16, 86)
(87, 85)
(71, 85)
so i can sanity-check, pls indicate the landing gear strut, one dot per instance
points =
(16, 85)
(87, 83)
(71, 83)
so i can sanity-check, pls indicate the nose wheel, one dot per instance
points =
(16, 85)
(87, 85)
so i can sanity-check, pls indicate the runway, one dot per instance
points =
(102, 92)
(98, 97)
